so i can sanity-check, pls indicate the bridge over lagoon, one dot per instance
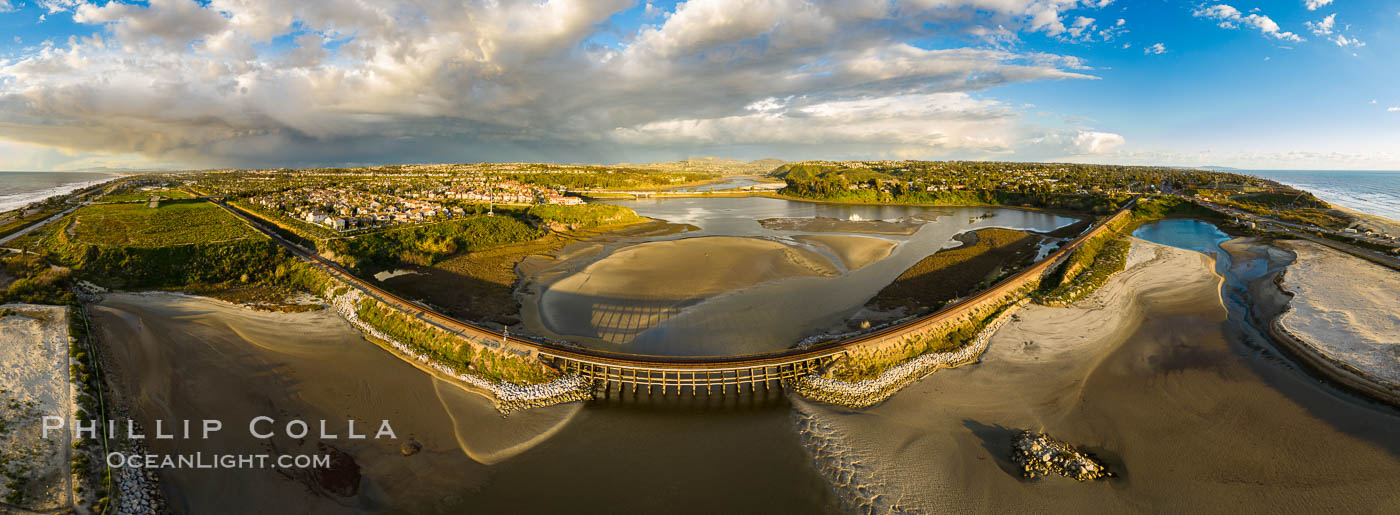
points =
(714, 374)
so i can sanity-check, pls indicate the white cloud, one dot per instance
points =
(1089, 142)
(1231, 18)
(1122, 22)
(1313, 5)
(1344, 42)
(6, 6)
(202, 82)
(1082, 25)
(1157, 49)
(1395, 109)
(1323, 27)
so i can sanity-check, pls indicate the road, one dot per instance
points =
(1309, 233)
(37, 225)
(7, 239)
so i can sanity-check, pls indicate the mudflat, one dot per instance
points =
(905, 226)
(1144, 374)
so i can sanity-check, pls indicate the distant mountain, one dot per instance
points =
(714, 165)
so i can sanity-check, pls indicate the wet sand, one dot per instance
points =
(1148, 374)
(637, 287)
(174, 357)
(855, 252)
(180, 357)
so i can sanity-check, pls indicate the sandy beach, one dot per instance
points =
(1344, 309)
(855, 252)
(33, 384)
(1385, 224)
(1143, 375)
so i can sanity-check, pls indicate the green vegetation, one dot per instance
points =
(180, 244)
(586, 216)
(1089, 267)
(887, 184)
(861, 366)
(427, 244)
(1289, 205)
(952, 273)
(26, 278)
(86, 375)
(173, 223)
(1170, 207)
(448, 349)
(139, 196)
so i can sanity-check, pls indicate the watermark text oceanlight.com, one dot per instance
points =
(199, 460)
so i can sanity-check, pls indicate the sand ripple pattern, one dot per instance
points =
(859, 486)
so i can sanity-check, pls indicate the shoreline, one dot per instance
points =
(15, 201)
(1319, 353)
(870, 392)
(1338, 373)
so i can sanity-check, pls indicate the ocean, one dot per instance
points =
(1377, 193)
(20, 188)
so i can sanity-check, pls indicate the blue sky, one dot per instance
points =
(222, 83)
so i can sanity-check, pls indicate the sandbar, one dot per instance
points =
(855, 252)
(904, 226)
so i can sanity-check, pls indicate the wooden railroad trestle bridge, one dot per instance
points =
(666, 372)
(712, 377)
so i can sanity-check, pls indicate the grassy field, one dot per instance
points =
(957, 272)
(586, 216)
(173, 223)
(142, 196)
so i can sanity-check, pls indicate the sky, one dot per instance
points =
(196, 84)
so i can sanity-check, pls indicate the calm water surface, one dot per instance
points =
(1196, 414)
(773, 315)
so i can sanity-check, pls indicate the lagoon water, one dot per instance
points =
(1192, 413)
(771, 315)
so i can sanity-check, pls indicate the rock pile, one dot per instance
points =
(138, 489)
(862, 394)
(508, 396)
(1039, 454)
